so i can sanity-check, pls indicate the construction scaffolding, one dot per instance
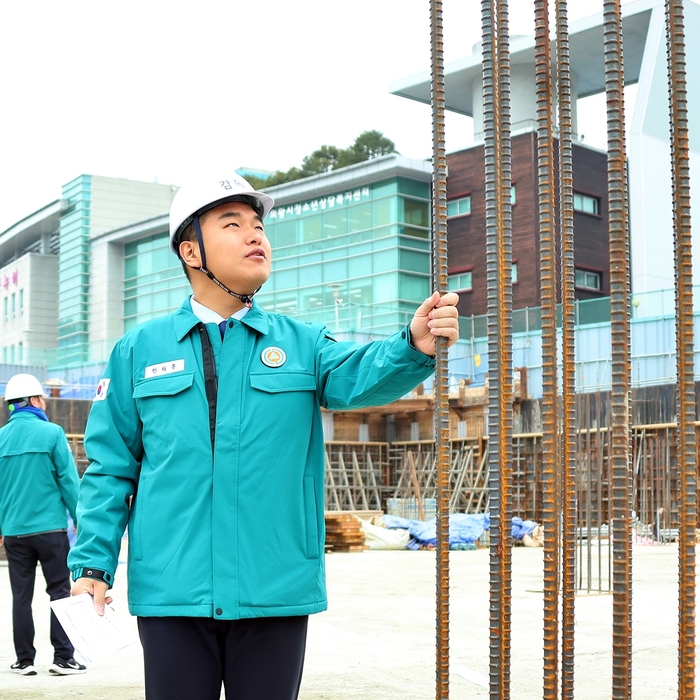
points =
(369, 476)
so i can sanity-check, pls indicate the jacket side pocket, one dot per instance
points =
(136, 524)
(310, 513)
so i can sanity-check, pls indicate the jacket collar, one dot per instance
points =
(257, 319)
(23, 415)
(185, 320)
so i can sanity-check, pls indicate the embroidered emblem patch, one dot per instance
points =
(164, 368)
(273, 357)
(101, 392)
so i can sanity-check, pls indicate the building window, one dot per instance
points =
(14, 305)
(514, 272)
(513, 196)
(461, 282)
(153, 281)
(585, 279)
(586, 204)
(459, 207)
(21, 302)
(20, 352)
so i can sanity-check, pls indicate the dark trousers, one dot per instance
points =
(188, 658)
(51, 550)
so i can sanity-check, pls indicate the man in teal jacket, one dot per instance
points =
(205, 437)
(38, 486)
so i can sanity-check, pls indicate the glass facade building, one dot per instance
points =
(74, 271)
(356, 259)
(154, 281)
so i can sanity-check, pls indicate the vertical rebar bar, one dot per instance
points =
(442, 422)
(496, 112)
(548, 281)
(568, 454)
(621, 368)
(680, 172)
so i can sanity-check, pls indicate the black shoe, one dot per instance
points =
(24, 668)
(66, 668)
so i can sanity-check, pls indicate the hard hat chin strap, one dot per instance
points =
(247, 299)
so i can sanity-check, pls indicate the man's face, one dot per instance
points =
(238, 251)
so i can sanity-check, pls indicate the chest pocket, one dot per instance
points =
(166, 385)
(277, 382)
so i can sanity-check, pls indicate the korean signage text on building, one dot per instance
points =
(321, 204)
(13, 278)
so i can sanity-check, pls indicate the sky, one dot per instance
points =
(161, 91)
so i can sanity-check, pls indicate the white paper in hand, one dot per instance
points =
(92, 635)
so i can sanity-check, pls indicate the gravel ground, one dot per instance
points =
(376, 641)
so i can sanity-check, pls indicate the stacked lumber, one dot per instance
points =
(344, 533)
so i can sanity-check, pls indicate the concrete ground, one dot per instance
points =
(376, 641)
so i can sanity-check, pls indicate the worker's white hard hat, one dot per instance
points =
(192, 200)
(23, 386)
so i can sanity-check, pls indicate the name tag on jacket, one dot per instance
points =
(164, 368)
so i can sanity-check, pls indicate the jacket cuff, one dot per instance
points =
(417, 355)
(97, 574)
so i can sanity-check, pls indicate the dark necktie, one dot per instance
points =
(222, 329)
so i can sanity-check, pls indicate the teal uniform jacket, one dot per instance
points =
(38, 477)
(238, 533)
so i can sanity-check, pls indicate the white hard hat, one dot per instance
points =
(22, 386)
(192, 200)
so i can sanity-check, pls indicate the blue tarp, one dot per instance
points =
(465, 529)
(522, 527)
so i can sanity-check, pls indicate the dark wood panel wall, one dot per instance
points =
(70, 414)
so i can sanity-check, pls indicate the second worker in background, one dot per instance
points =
(38, 488)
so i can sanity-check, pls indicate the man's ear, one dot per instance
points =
(189, 252)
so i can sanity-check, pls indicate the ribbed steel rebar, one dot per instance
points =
(496, 111)
(568, 454)
(621, 369)
(548, 280)
(680, 171)
(442, 421)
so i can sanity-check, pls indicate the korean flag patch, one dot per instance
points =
(101, 393)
